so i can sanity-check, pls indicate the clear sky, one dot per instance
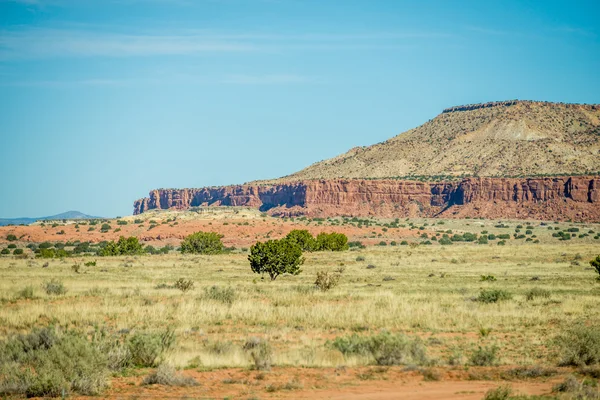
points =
(103, 100)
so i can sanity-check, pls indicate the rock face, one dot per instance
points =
(548, 198)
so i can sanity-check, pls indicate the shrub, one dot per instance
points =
(17, 252)
(147, 348)
(124, 247)
(332, 241)
(167, 375)
(90, 263)
(302, 238)
(484, 356)
(327, 280)
(488, 278)
(46, 362)
(11, 246)
(579, 345)
(184, 284)
(11, 237)
(276, 257)
(202, 243)
(499, 393)
(537, 292)
(54, 287)
(493, 295)
(5, 251)
(445, 241)
(260, 351)
(385, 348)
(105, 228)
(595, 263)
(27, 293)
(224, 295)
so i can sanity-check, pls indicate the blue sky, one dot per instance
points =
(103, 100)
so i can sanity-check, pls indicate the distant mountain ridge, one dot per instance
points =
(512, 138)
(28, 220)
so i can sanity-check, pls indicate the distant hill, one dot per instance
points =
(28, 220)
(499, 139)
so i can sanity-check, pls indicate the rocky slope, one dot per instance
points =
(556, 198)
(499, 139)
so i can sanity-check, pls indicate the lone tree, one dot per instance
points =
(124, 247)
(303, 238)
(276, 257)
(595, 263)
(202, 243)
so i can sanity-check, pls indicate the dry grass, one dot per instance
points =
(431, 296)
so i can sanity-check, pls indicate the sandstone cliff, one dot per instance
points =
(550, 198)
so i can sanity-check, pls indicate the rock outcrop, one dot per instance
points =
(548, 198)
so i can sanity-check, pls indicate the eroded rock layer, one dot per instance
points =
(549, 198)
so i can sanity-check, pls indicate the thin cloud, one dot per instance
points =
(36, 43)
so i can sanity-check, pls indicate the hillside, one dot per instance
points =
(499, 139)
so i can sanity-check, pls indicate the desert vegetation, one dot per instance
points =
(369, 313)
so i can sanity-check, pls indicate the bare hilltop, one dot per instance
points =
(499, 139)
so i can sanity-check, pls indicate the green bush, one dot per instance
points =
(261, 353)
(276, 257)
(167, 375)
(5, 251)
(537, 292)
(202, 243)
(579, 345)
(54, 287)
(11, 237)
(484, 356)
(11, 246)
(47, 362)
(147, 348)
(184, 284)
(124, 247)
(499, 393)
(327, 280)
(332, 241)
(27, 293)
(493, 295)
(595, 263)
(224, 295)
(17, 252)
(385, 348)
(302, 238)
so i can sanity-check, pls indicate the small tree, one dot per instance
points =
(124, 247)
(332, 241)
(303, 238)
(202, 243)
(276, 257)
(595, 263)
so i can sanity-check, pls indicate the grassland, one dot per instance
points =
(431, 292)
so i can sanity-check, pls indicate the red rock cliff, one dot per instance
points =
(551, 198)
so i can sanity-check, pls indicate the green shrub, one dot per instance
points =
(488, 278)
(579, 345)
(537, 292)
(5, 251)
(202, 243)
(46, 362)
(276, 257)
(167, 375)
(327, 280)
(493, 295)
(11, 246)
(54, 287)
(224, 295)
(184, 284)
(146, 348)
(332, 241)
(27, 293)
(595, 263)
(385, 348)
(11, 237)
(17, 252)
(261, 353)
(124, 247)
(303, 238)
(499, 393)
(484, 356)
